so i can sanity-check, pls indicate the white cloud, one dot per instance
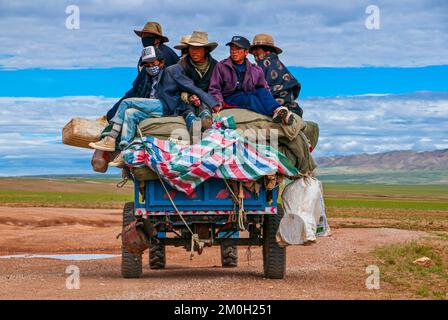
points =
(30, 128)
(313, 33)
(371, 124)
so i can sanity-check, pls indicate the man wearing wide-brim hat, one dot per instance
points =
(284, 87)
(152, 35)
(198, 65)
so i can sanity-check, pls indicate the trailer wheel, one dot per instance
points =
(157, 257)
(131, 264)
(274, 257)
(229, 256)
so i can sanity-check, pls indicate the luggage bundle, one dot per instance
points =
(79, 132)
(305, 216)
(296, 141)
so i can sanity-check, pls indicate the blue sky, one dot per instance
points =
(324, 82)
(369, 90)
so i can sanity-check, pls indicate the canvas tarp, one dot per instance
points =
(294, 141)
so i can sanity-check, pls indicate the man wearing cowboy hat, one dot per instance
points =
(284, 87)
(237, 82)
(198, 65)
(151, 35)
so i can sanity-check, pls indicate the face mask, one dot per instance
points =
(148, 41)
(153, 71)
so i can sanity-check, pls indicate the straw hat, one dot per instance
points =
(183, 43)
(200, 39)
(154, 28)
(263, 39)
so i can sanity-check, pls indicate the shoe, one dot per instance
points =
(194, 129)
(280, 115)
(206, 120)
(206, 123)
(105, 144)
(289, 120)
(118, 161)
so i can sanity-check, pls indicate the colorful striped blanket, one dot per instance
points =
(221, 153)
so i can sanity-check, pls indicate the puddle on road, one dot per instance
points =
(75, 257)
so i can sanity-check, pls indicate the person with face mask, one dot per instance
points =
(284, 87)
(144, 104)
(151, 36)
(155, 93)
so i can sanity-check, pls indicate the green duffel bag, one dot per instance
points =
(246, 121)
(311, 131)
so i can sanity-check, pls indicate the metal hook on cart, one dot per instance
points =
(122, 182)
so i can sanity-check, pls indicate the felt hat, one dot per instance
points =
(153, 28)
(266, 40)
(200, 39)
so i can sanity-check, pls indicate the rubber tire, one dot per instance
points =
(157, 256)
(274, 257)
(131, 264)
(229, 256)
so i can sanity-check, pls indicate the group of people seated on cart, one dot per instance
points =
(195, 85)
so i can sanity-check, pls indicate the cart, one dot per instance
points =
(213, 216)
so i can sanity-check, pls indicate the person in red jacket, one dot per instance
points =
(237, 82)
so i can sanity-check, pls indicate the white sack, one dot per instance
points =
(304, 212)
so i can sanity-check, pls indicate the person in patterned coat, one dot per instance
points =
(284, 87)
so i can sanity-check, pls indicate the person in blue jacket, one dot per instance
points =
(151, 35)
(157, 93)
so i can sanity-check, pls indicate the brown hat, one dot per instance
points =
(183, 43)
(263, 39)
(200, 39)
(154, 28)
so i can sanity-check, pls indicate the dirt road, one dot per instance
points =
(333, 268)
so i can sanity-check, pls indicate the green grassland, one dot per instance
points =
(348, 175)
(397, 267)
(64, 199)
(85, 192)
(92, 191)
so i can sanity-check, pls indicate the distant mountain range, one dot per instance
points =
(394, 160)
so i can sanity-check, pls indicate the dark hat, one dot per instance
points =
(239, 41)
(151, 54)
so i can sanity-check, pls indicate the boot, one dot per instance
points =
(118, 161)
(206, 121)
(105, 144)
(280, 115)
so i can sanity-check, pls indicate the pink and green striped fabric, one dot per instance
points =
(222, 153)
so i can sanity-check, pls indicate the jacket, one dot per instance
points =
(141, 88)
(172, 83)
(224, 79)
(284, 87)
(190, 72)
